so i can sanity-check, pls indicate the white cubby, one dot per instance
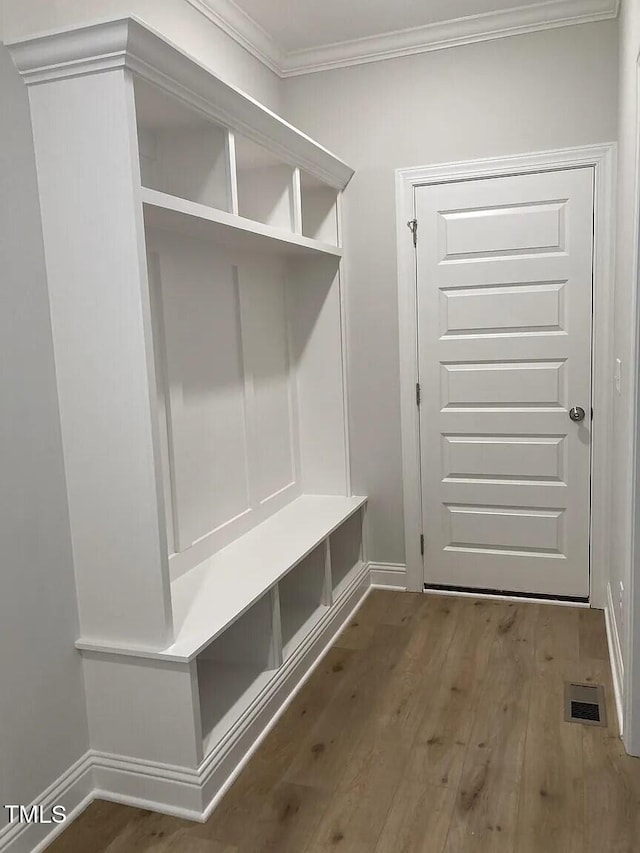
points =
(319, 208)
(182, 153)
(304, 598)
(345, 547)
(234, 668)
(267, 189)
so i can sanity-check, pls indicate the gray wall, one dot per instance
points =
(43, 724)
(546, 90)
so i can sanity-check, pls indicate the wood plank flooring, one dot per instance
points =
(434, 725)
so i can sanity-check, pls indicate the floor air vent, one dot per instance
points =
(584, 703)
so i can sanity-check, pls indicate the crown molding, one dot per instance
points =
(468, 30)
(129, 44)
(243, 29)
(461, 31)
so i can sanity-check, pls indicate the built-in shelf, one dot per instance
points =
(347, 578)
(205, 283)
(209, 598)
(304, 594)
(170, 213)
(226, 692)
(234, 669)
(303, 631)
(319, 210)
(345, 546)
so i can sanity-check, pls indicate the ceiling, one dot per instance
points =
(308, 23)
(312, 35)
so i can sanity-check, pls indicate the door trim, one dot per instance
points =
(603, 160)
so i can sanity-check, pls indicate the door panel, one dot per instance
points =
(504, 315)
(526, 308)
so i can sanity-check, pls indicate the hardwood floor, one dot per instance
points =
(434, 725)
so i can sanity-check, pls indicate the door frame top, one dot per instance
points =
(602, 158)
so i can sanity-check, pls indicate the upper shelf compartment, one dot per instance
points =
(268, 190)
(182, 153)
(319, 210)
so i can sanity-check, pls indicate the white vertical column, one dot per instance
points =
(232, 167)
(296, 202)
(327, 592)
(88, 176)
(276, 655)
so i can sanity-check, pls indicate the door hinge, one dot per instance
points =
(592, 413)
(412, 225)
(422, 544)
(418, 394)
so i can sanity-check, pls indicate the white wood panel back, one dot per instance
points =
(230, 428)
(504, 307)
(265, 338)
(313, 297)
(205, 385)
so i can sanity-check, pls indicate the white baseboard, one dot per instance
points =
(73, 790)
(388, 575)
(189, 793)
(175, 791)
(615, 656)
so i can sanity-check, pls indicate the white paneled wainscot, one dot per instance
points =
(193, 255)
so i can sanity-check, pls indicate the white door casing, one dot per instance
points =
(504, 292)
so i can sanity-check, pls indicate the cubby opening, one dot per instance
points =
(303, 598)
(319, 210)
(182, 153)
(266, 186)
(233, 670)
(345, 545)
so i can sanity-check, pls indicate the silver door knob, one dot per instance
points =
(576, 413)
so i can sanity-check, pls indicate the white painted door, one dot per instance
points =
(504, 327)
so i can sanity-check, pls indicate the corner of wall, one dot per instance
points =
(615, 657)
